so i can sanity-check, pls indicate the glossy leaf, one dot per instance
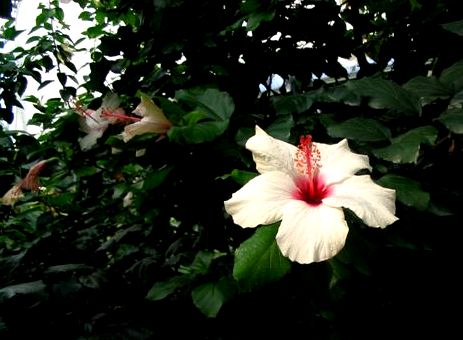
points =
(33, 287)
(212, 110)
(163, 289)
(239, 176)
(210, 297)
(453, 76)
(408, 191)
(361, 129)
(405, 148)
(385, 94)
(428, 89)
(258, 260)
(156, 178)
(281, 127)
(292, 103)
(454, 26)
(453, 120)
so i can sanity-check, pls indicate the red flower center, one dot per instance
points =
(310, 186)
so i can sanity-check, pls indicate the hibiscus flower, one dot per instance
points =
(305, 188)
(95, 122)
(153, 120)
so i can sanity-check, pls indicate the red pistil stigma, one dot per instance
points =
(119, 116)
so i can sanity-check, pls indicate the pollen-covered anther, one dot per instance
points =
(307, 158)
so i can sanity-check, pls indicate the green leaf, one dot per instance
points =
(453, 120)
(62, 200)
(281, 127)
(453, 76)
(457, 100)
(194, 117)
(406, 147)
(209, 297)
(428, 89)
(201, 263)
(239, 176)
(161, 290)
(255, 19)
(216, 104)
(200, 133)
(94, 32)
(291, 103)
(361, 129)
(86, 171)
(10, 33)
(85, 15)
(243, 134)
(156, 178)
(454, 26)
(209, 118)
(70, 267)
(385, 94)
(408, 191)
(339, 272)
(58, 13)
(27, 288)
(44, 83)
(258, 260)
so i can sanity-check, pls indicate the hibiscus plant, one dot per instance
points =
(178, 188)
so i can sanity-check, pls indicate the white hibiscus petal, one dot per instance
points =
(145, 125)
(339, 162)
(261, 200)
(90, 139)
(311, 234)
(271, 154)
(147, 108)
(374, 204)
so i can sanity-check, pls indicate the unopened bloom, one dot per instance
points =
(153, 120)
(305, 188)
(30, 182)
(12, 195)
